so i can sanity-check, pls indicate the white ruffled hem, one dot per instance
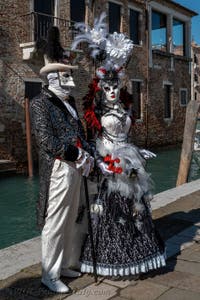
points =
(143, 267)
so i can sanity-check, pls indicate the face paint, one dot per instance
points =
(111, 91)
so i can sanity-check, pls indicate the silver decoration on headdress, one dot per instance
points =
(116, 47)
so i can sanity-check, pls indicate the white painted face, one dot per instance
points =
(111, 91)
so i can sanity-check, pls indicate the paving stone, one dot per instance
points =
(191, 254)
(35, 269)
(197, 224)
(197, 238)
(27, 284)
(119, 298)
(185, 266)
(12, 294)
(143, 290)
(190, 232)
(19, 256)
(180, 280)
(181, 240)
(186, 204)
(97, 292)
(79, 283)
(169, 227)
(172, 249)
(177, 294)
(119, 283)
(192, 215)
(12, 280)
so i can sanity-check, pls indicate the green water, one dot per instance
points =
(164, 168)
(17, 209)
(19, 194)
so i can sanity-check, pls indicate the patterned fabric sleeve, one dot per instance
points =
(43, 131)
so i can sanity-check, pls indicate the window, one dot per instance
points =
(159, 31)
(133, 26)
(195, 96)
(183, 95)
(196, 79)
(178, 37)
(137, 99)
(167, 101)
(195, 59)
(77, 10)
(114, 17)
(44, 19)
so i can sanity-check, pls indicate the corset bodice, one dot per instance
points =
(116, 124)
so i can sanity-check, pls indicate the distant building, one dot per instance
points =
(195, 78)
(158, 75)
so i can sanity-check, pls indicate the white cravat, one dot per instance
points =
(70, 109)
(60, 93)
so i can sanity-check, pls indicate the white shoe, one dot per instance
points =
(55, 285)
(70, 273)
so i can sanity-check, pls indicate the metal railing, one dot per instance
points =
(35, 26)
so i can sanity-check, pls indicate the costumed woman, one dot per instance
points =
(126, 241)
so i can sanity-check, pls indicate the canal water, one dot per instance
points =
(19, 194)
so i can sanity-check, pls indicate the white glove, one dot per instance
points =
(147, 154)
(85, 162)
(104, 169)
(81, 159)
(88, 166)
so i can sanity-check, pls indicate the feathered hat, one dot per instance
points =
(111, 51)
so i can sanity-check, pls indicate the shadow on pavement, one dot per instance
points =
(27, 286)
(170, 228)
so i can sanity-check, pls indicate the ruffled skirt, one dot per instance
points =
(126, 241)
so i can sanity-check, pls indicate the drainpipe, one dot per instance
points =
(28, 138)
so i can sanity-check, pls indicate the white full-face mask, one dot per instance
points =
(60, 83)
(66, 80)
(111, 91)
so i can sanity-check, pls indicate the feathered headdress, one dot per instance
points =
(111, 50)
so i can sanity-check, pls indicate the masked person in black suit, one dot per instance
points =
(64, 157)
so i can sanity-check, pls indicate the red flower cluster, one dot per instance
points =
(111, 166)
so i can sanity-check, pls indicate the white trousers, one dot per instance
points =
(62, 236)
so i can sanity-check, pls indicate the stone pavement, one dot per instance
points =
(179, 225)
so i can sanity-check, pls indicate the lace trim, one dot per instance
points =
(152, 263)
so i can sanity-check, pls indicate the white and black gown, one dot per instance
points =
(126, 241)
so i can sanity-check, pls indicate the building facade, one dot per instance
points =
(158, 74)
(195, 78)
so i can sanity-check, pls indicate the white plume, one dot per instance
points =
(116, 47)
